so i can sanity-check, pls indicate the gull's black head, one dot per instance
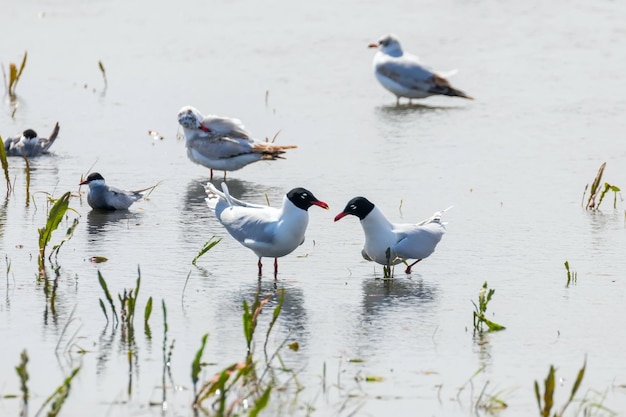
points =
(303, 198)
(358, 206)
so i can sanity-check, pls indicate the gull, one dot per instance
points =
(389, 243)
(103, 197)
(223, 143)
(405, 76)
(267, 231)
(29, 145)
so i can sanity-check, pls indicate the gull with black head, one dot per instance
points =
(267, 231)
(389, 243)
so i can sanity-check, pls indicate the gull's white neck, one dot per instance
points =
(376, 224)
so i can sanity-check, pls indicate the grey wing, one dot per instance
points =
(407, 72)
(420, 241)
(218, 147)
(8, 146)
(226, 126)
(45, 144)
(250, 226)
(121, 199)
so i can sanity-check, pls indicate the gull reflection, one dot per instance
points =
(381, 295)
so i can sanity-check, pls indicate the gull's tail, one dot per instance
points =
(442, 86)
(435, 218)
(51, 139)
(271, 151)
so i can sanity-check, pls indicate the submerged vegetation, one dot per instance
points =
(484, 296)
(545, 401)
(241, 386)
(55, 215)
(14, 77)
(5, 165)
(55, 400)
(597, 189)
(572, 276)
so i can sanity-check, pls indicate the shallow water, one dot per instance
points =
(514, 163)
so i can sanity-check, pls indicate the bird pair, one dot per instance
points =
(222, 143)
(276, 232)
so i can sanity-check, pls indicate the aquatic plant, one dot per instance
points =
(572, 276)
(55, 215)
(388, 268)
(238, 383)
(104, 74)
(208, 245)
(22, 373)
(5, 165)
(596, 189)
(58, 397)
(546, 401)
(484, 296)
(14, 76)
(107, 294)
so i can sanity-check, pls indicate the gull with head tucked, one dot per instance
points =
(223, 143)
(405, 76)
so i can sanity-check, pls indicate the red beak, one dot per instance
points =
(320, 204)
(204, 128)
(372, 45)
(341, 215)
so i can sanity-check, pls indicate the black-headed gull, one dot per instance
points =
(404, 241)
(29, 145)
(268, 231)
(405, 76)
(223, 143)
(103, 197)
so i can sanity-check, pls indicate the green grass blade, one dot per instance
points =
(104, 310)
(68, 235)
(107, 294)
(5, 164)
(261, 403)
(54, 218)
(196, 365)
(208, 245)
(59, 395)
(148, 310)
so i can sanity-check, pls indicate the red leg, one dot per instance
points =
(260, 268)
(211, 174)
(275, 268)
(408, 268)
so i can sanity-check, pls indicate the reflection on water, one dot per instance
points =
(99, 221)
(244, 190)
(380, 295)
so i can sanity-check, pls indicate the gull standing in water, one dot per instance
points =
(29, 145)
(103, 197)
(405, 76)
(267, 231)
(389, 243)
(223, 143)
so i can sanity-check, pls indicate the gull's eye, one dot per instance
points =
(304, 196)
(353, 207)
